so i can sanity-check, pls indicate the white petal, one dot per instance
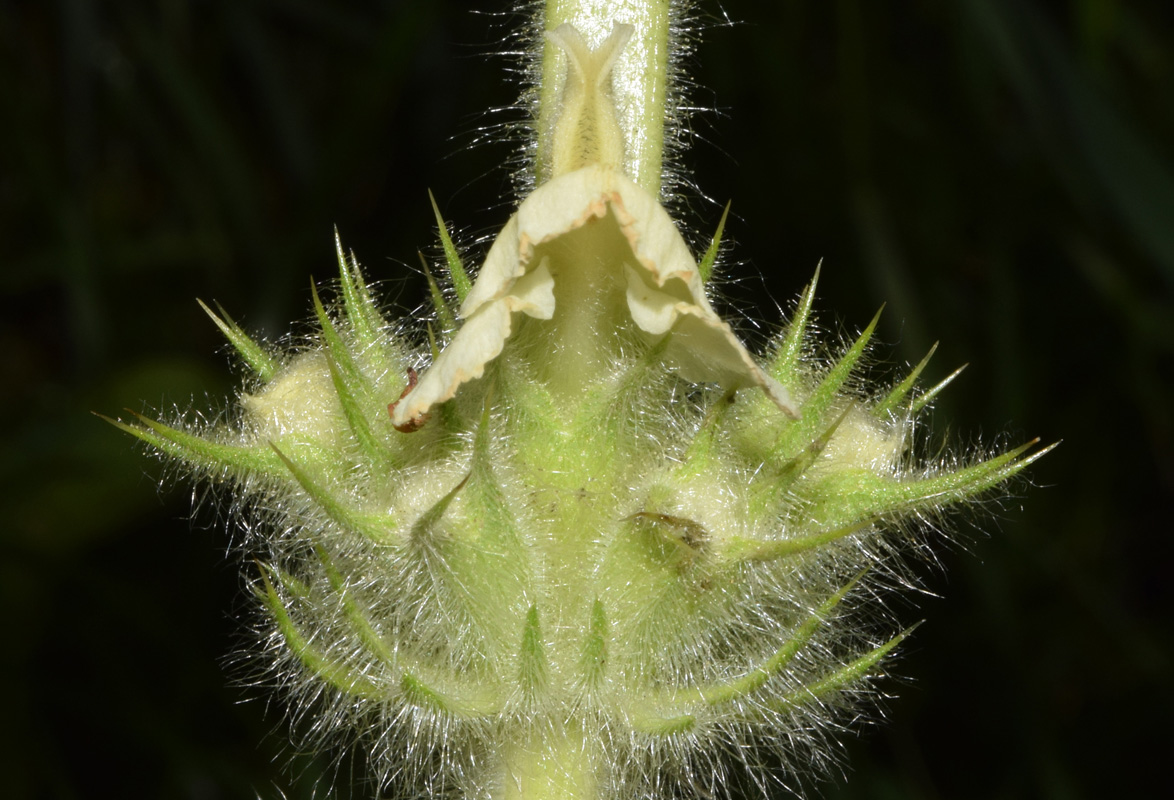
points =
(533, 293)
(652, 310)
(665, 294)
(482, 338)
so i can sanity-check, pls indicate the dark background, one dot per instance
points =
(1001, 172)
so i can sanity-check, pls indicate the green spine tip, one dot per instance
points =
(1027, 460)
(375, 527)
(349, 397)
(324, 321)
(927, 397)
(705, 267)
(352, 387)
(456, 270)
(809, 454)
(845, 676)
(743, 549)
(364, 318)
(122, 426)
(484, 433)
(333, 574)
(337, 349)
(254, 356)
(826, 393)
(786, 361)
(417, 693)
(829, 388)
(881, 497)
(201, 452)
(462, 705)
(532, 656)
(327, 670)
(902, 389)
(422, 528)
(595, 647)
(701, 450)
(444, 314)
(299, 589)
(718, 694)
(433, 347)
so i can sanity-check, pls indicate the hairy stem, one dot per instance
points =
(554, 763)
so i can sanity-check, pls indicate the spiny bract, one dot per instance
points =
(583, 574)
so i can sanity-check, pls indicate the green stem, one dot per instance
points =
(555, 763)
(639, 79)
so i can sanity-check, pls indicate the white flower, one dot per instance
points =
(651, 273)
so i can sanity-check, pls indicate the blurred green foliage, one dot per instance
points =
(999, 171)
